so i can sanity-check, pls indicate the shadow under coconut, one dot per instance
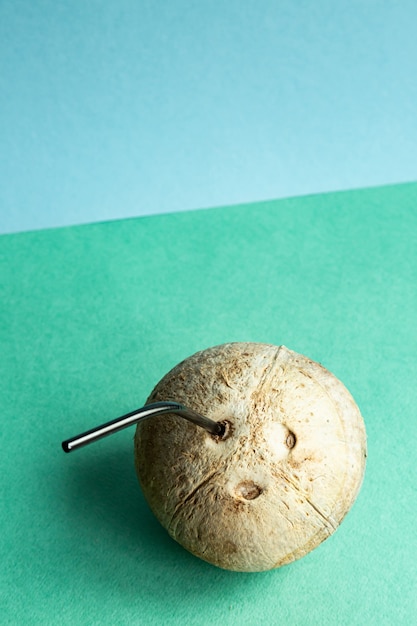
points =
(128, 548)
(105, 495)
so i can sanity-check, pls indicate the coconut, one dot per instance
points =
(279, 480)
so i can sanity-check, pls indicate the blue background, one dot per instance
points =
(123, 108)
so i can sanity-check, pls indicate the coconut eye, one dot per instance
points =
(291, 440)
(248, 490)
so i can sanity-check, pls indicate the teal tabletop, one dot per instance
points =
(93, 316)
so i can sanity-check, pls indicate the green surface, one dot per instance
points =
(93, 316)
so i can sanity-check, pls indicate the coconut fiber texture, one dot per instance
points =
(281, 478)
(92, 317)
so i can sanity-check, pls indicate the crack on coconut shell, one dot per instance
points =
(327, 519)
(259, 393)
(193, 492)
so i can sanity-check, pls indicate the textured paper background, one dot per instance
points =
(93, 316)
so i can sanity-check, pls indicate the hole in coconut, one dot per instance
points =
(291, 440)
(248, 490)
(225, 432)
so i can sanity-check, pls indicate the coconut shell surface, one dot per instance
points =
(283, 477)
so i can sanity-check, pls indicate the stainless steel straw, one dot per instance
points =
(158, 408)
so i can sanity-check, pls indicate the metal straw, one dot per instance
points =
(158, 408)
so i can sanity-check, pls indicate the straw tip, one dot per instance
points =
(66, 446)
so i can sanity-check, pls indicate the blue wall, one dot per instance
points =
(123, 108)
